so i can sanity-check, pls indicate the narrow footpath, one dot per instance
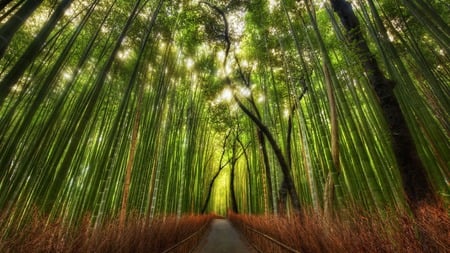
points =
(223, 238)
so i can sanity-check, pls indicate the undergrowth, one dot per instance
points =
(135, 236)
(353, 231)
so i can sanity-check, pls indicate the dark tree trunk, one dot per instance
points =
(415, 183)
(13, 24)
(31, 52)
(262, 142)
(244, 152)
(288, 182)
(208, 195)
(282, 197)
(3, 3)
(262, 135)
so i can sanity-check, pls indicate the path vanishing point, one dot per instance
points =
(223, 238)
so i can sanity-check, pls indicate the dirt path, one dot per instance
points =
(223, 238)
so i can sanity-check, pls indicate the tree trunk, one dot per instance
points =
(134, 137)
(31, 52)
(333, 174)
(244, 152)
(287, 178)
(415, 183)
(234, 158)
(87, 112)
(267, 174)
(4, 3)
(288, 182)
(211, 184)
(13, 24)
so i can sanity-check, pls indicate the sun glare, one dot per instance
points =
(261, 99)
(244, 91)
(67, 75)
(286, 113)
(124, 54)
(272, 4)
(237, 23)
(226, 95)
(189, 63)
(221, 55)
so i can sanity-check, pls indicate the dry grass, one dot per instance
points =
(135, 236)
(353, 232)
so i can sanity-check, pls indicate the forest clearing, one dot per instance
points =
(224, 125)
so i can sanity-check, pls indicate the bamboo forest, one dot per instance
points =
(302, 126)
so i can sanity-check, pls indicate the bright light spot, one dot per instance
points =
(273, 31)
(221, 55)
(69, 12)
(226, 95)
(162, 45)
(261, 99)
(272, 4)
(67, 75)
(125, 54)
(236, 22)
(105, 29)
(189, 63)
(237, 47)
(286, 113)
(16, 88)
(244, 91)
(390, 36)
(321, 4)
(228, 69)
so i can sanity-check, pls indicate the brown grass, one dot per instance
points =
(355, 231)
(135, 236)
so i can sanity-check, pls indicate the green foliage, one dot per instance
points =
(106, 72)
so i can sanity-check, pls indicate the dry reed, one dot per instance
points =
(354, 231)
(135, 236)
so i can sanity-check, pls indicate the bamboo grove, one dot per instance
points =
(155, 107)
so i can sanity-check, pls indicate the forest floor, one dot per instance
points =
(223, 237)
